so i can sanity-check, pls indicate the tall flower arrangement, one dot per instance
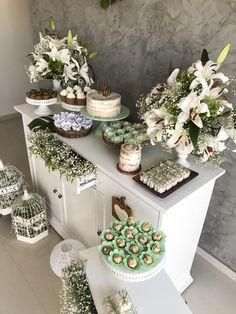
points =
(190, 111)
(64, 59)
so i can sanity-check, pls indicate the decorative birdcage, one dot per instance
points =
(29, 218)
(11, 187)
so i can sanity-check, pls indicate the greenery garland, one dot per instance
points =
(59, 156)
(75, 296)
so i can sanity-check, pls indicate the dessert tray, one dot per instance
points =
(175, 184)
(132, 250)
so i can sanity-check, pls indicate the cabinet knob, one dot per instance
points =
(59, 196)
(99, 232)
(54, 191)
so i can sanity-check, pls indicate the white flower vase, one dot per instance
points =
(57, 85)
(182, 157)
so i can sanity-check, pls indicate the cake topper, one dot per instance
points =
(103, 88)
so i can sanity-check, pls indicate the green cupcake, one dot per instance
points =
(129, 233)
(133, 248)
(106, 248)
(108, 235)
(148, 259)
(156, 247)
(119, 242)
(116, 258)
(117, 226)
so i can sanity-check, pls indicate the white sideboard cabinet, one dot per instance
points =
(81, 216)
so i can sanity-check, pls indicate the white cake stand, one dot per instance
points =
(43, 104)
(124, 274)
(124, 113)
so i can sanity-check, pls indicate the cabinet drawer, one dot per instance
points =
(107, 188)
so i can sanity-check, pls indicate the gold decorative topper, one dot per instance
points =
(103, 88)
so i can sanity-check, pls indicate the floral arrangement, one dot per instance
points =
(59, 156)
(190, 111)
(64, 59)
(75, 296)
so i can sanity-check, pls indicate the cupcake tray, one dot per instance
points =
(192, 175)
(124, 274)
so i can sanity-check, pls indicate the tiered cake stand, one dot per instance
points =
(124, 113)
(43, 105)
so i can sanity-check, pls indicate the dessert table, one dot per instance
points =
(156, 295)
(82, 216)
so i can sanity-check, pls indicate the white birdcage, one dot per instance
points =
(29, 218)
(11, 187)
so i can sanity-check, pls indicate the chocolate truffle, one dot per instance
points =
(146, 227)
(147, 259)
(132, 262)
(129, 234)
(134, 248)
(156, 236)
(117, 258)
(120, 242)
(155, 248)
(130, 222)
(143, 239)
(117, 226)
(106, 250)
(109, 236)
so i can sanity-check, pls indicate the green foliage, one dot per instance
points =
(194, 132)
(106, 3)
(204, 56)
(59, 156)
(42, 123)
(75, 296)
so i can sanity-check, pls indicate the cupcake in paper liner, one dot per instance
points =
(131, 222)
(148, 259)
(117, 226)
(157, 248)
(132, 262)
(157, 235)
(106, 248)
(143, 238)
(108, 235)
(134, 248)
(129, 233)
(116, 257)
(119, 242)
(145, 226)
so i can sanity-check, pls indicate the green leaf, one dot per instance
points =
(223, 54)
(193, 133)
(204, 56)
(92, 54)
(69, 36)
(105, 4)
(52, 24)
(42, 123)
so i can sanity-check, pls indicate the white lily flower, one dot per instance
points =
(227, 132)
(69, 74)
(41, 65)
(209, 145)
(180, 139)
(172, 78)
(191, 107)
(204, 73)
(62, 55)
(83, 71)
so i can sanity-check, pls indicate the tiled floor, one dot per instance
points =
(27, 284)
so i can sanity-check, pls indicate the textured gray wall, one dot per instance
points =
(136, 40)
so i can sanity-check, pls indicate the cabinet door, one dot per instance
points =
(48, 184)
(80, 211)
(107, 188)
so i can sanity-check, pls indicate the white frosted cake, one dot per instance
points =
(103, 106)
